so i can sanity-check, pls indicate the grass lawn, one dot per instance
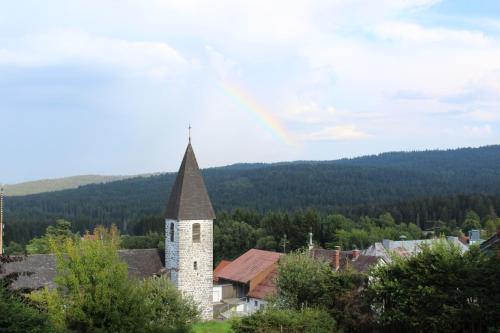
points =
(212, 327)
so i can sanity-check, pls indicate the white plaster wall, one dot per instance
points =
(252, 307)
(217, 293)
(180, 257)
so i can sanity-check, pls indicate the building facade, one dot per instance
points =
(189, 235)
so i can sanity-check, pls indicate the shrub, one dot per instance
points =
(286, 321)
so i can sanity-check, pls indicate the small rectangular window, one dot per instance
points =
(256, 303)
(195, 265)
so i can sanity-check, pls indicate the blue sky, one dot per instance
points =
(109, 87)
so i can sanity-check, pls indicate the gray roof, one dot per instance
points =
(406, 248)
(491, 242)
(377, 250)
(189, 197)
(39, 270)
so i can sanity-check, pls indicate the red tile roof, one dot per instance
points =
(219, 267)
(249, 265)
(90, 237)
(267, 287)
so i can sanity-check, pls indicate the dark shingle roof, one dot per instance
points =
(39, 270)
(363, 263)
(490, 242)
(189, 197)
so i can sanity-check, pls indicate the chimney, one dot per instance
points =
(336, 258)
(355, 254)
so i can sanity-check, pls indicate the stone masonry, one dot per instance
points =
(190, 264)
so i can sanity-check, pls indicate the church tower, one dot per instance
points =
(189, 235)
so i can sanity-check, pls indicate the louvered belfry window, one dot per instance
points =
(196, 233)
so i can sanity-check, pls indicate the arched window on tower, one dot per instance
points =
(196, 233)
(172, 231)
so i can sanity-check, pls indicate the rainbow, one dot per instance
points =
(250, 105)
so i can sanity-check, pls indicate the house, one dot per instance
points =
(343, 260)
(406, 248)
(250, 278)
(39, 270)
(492, 244)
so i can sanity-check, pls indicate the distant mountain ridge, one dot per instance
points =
(58, 184)
(350, 186)
(386, 159)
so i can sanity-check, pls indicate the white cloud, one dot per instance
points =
(344, 132)
(416, 33)
(353, 68)
(478, 131)
(222, 65)
(62, 47)
(483, 115)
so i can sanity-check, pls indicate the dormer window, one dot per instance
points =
(196, 233)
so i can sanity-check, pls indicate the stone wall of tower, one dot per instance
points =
(195, 282)
(172, 250)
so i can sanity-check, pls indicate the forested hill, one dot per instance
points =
(51, 185)
(350, 186)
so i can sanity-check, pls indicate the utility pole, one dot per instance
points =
(1, 220)
(284, 243)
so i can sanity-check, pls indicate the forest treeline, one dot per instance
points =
(423, 188)
(238, 231)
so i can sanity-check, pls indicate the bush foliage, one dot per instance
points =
(272, 320)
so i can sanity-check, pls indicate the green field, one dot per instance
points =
(212, 327)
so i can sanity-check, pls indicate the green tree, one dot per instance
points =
(165, 308)
(472, 221)
(94, 293)
(17, 313)
(437, 290)
(14, 249)
(58, 233)
(60, 230)
(491, 226)
(267, 243)
(302, 281)
(39, 245)
(232, 238)
(150, 241)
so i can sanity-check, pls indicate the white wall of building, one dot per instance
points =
(254, 304)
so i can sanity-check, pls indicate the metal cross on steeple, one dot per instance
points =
(189, 133)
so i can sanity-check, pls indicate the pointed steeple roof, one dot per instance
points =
(189, 197)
